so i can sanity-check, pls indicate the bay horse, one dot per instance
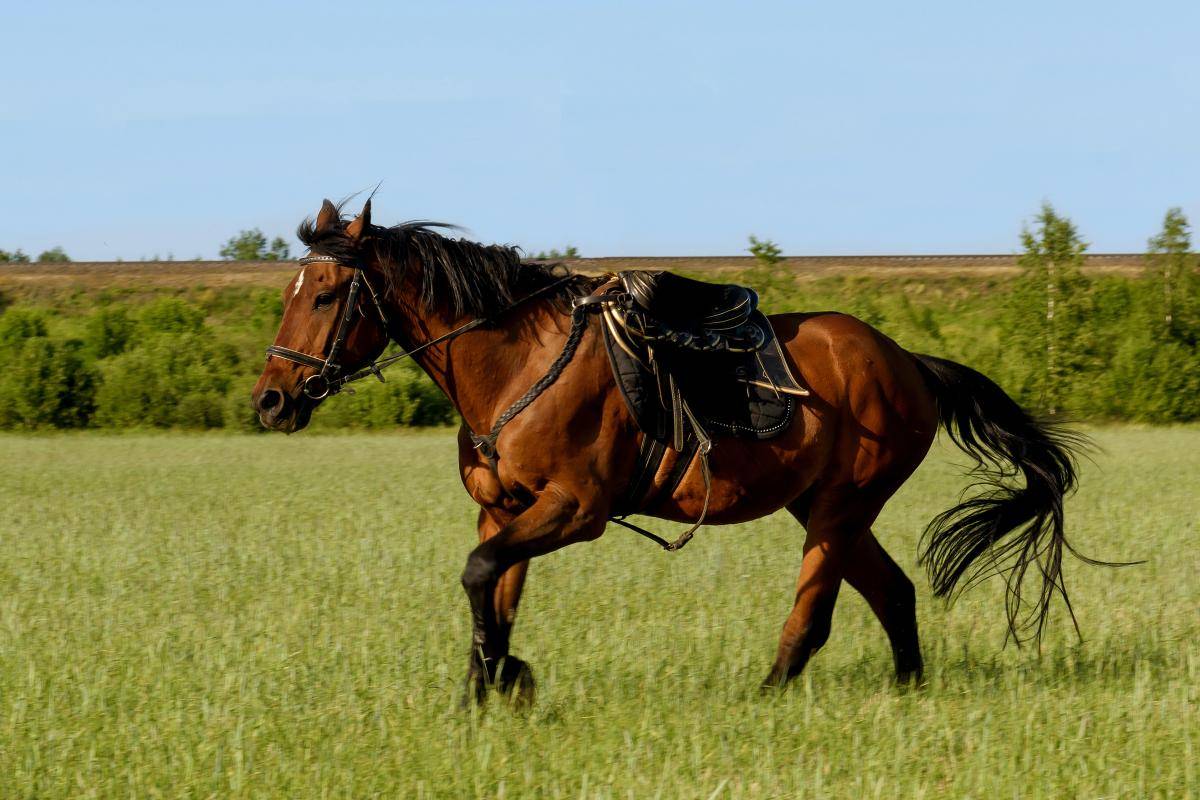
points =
(486, 326)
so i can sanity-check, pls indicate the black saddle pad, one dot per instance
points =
(751, 395)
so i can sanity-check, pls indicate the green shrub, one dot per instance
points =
(47, 384)
(190, 359)
(169, 315)
(408, 398)
(108, 331)
(55, 255)
(200, 410)
(168, 380)
(17, 325)
(554, 254)
(1149, 380)
(267, 310)
(239, 414)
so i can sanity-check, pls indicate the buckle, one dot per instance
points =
(316, 387)
(589, 302)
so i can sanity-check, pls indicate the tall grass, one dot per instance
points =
(222, 616)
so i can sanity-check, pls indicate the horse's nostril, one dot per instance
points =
(270, 400)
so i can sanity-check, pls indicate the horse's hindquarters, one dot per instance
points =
(868, 423)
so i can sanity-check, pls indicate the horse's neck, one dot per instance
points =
(475, 370)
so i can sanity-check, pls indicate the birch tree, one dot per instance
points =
(1051, 298)
(1173, 269)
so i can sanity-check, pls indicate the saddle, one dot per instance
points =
(694, 361)
(684, 303)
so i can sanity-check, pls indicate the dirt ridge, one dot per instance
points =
(128, 274)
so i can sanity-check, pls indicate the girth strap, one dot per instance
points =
(649, 458)
(686, 536)
(634, 499)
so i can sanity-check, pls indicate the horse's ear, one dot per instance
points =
(361, 223)
(327, 216)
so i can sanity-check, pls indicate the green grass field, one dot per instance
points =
(234, 616)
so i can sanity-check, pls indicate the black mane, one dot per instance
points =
(460, 276)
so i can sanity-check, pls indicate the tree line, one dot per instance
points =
(1062, 341)
(246, 245)
(1091, 347)
(54, 255)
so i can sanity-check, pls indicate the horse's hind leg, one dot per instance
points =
(834, 524)
(889, 592)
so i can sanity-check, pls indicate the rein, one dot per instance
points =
(328, 379)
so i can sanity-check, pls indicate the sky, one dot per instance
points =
(134, 130)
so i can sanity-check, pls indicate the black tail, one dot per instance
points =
(1005, 530)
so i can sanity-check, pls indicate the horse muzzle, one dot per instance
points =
(278, 411)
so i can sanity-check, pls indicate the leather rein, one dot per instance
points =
(329, 378)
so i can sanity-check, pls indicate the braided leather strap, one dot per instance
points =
(486, 445)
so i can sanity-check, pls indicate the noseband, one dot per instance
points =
(328, 379)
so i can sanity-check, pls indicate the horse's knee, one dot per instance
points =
(480, 572)
(588, 526)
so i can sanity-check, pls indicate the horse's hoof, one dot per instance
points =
(475, 689)
(911, 680)
(775, 681)
(515, 681)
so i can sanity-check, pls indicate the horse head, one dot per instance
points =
(333, 322)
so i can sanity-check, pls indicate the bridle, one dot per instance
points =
(329, 378)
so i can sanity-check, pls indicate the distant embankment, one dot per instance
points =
(101, 274)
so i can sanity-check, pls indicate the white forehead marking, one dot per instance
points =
(299, 282)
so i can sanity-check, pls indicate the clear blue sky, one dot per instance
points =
(625, 128)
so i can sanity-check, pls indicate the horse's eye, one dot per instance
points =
(324, 300)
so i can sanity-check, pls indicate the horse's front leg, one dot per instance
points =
(514, 676)
(557, 518)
